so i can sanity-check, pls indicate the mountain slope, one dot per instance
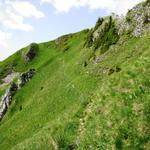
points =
(89, 90)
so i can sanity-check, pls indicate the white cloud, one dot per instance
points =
(5, 45)
(4, 39)
(26, 9)
(14, 21)
(14, 12)
(116, 6)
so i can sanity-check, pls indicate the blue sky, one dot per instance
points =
(26, 21)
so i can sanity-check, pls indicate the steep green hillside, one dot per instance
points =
(90, 92)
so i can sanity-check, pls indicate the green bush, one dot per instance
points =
(89, 40)
(107, 38)
(98, 23)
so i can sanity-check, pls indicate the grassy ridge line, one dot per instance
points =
(110, 102)
(54, 83)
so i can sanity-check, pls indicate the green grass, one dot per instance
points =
(2, 90)
(69, 106)
(119, 114)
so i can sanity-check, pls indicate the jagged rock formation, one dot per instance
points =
(108, 30)
(6, 99)
(25, 77)
(31, 53)
(137, 20)
(141, 19)
(10, 92)
(9, 78)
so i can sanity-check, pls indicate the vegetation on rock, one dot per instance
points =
(31, 52)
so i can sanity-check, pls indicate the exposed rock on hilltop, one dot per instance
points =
(137, 20)
(104, 35)
(32, 52)
(108, 30)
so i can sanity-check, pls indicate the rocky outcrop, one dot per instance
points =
(32, 52)
(136, 22)
(9, 78)
(140, 16)
(11, 91)
(104, 35)
(25, 77)
(108, 30)
(6, 99)
(102, 29)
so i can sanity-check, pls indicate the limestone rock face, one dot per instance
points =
(137, 20)
(6, 99)
(9, 78)
(140, 16)
(135, 23)
(11, 91)
(109, 30)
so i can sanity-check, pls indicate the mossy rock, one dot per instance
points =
(31, 52)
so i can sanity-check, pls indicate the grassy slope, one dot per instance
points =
(66, 103)
(63, 93)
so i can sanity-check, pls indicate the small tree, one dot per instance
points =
(98, 23)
